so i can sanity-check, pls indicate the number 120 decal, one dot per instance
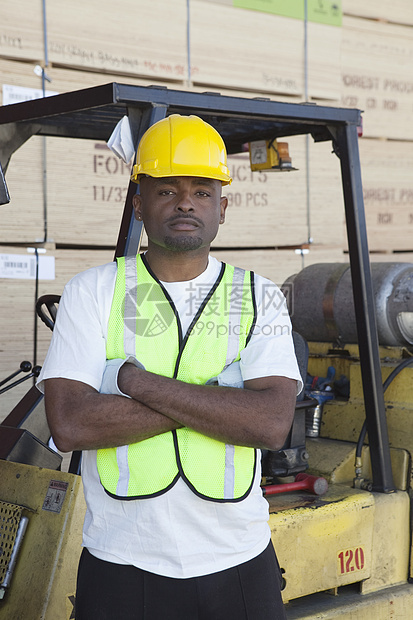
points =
(350, 560)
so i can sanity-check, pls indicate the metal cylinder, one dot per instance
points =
(313, 416)
(320, 301)
(313, 421)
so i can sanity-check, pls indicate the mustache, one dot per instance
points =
(184, 216)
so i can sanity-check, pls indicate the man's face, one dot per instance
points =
(180, 213)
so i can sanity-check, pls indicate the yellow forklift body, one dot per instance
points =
(44, 581)
(323, 543)
(346, 537)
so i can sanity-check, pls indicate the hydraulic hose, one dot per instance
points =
(392, 375)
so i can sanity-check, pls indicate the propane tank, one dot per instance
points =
(320, 301)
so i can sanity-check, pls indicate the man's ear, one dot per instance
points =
(224, 204)
(137, 206)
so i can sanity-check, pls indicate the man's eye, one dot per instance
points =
(165, 192)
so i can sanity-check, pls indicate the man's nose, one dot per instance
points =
(185, 202)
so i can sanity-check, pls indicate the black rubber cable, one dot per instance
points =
(386, 384)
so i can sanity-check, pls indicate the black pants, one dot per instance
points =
(250, 591)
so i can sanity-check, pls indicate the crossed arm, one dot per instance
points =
(80, 418)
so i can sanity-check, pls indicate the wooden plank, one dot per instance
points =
(324, 61)
(278, 265)
(256, 214)
(65, 79)
(22, 219)
(86, 186)
(377, 76)
(326, 195)
(87, 210)
(21, 30)
(270, 209)
(391, 257)
(91, 36)
(262, 51)
(397, 11)
(123, 37)
(388, 193)
(258, 51)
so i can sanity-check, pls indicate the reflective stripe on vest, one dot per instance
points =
(144, 322)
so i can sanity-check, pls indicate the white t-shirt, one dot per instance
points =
(176, 534)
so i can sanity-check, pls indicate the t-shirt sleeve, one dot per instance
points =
(78, 346)
(270, 351)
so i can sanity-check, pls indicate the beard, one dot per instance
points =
(184, 243)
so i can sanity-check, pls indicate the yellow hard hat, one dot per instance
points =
(182, 146)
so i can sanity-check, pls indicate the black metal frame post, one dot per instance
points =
(4, 192)
(130, 232)
(347, 143)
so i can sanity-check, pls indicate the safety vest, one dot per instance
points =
(144, 322)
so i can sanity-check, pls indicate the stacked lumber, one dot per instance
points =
(84, 205)
(269, 209)
(377, 76)
(388, 193)
(65, 79)
(261, 51)
(21, 38)
(122, 38)
(22, 219)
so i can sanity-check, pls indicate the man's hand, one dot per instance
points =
(130, 376)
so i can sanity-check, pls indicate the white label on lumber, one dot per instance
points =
(16, 94)
(23, 267)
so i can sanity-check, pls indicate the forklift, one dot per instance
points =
(340, 490)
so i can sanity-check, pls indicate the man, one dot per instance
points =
(176, 525)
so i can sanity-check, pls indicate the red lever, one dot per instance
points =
(303, 482)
